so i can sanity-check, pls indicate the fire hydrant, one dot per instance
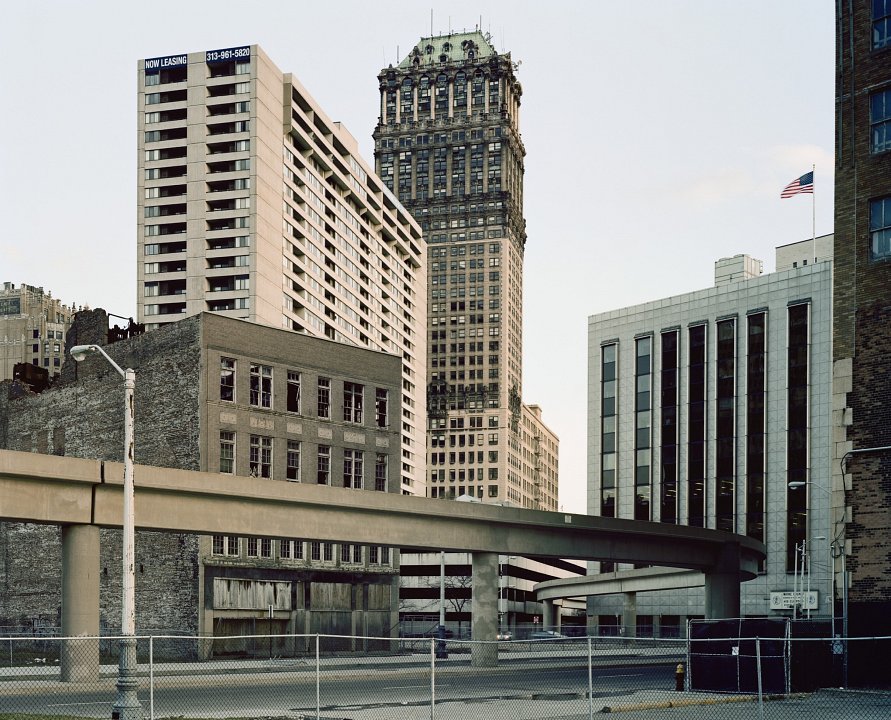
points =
(679, 677)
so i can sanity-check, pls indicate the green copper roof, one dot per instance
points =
(455, 47)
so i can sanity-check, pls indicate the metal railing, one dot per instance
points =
(371, 678)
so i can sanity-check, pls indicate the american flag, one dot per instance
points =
(804, 184)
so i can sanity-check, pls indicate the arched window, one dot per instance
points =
(442, 94)
(493, 94)
(391, 104)
(424, 97)
(478, 92)
(407, 99)
(460, 92)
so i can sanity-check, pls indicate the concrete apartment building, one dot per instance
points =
(220, 395)
(448, 145)
(253, 204)
(712, 409)
(861, 463)
(32, 329)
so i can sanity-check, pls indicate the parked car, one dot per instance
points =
(546, 635)
(505, 635)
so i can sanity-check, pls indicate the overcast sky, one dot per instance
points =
(659, 134)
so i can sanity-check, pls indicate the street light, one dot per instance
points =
(126, 705)
(834, 544)
(796, 485)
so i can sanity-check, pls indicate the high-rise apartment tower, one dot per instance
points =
(448, 146)
(254, 204)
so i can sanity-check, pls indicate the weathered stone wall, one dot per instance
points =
(82, 416)
(178, 417)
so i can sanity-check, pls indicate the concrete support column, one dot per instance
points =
(79, 661)
(592, 620)
(629, 614)
(485, 609)
(722, 585)
(547, 615)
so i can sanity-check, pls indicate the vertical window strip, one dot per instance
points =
(669, 428)
(797, 439)
(725, 430)
(608, 444)
(642, 427)
(756, 384)
(696, 444)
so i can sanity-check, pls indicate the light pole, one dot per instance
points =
(799, 484)
(126, 706)
(834, 542)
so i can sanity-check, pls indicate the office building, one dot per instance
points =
(32, 329)
(712, 409)
(254, 204)
(861, 463)
(218, 394)
(448, 145)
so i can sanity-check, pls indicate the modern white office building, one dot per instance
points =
(712, 409)
(254, 204)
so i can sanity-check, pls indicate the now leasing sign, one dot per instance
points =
(806, 600)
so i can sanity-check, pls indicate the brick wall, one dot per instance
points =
(862, 320)
(870, 494)
(859, 176)
(82, 417)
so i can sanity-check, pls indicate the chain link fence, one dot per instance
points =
(370, 678)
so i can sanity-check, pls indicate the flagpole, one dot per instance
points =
(814, 211)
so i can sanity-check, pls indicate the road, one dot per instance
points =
(353, 689)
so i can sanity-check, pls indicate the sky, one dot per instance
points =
(658, 134)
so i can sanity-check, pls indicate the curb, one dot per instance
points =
(691, 702)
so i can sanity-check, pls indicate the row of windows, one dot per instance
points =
(752, 367)
(474, 263)
(453, 492)
(880, 136)
(294, 549)
(457, 136)
(260, 462)
(261, 393)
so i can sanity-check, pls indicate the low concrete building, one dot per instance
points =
(220, 395)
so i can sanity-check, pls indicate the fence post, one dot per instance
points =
(318, 681)
(151, 677)
(590, 682)
(758, 668)
(433, 678)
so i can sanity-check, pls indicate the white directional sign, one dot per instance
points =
(806, 600)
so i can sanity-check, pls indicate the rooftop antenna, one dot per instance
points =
(431, 22)
(397, 54)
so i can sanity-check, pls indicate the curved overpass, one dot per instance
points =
(77, 492)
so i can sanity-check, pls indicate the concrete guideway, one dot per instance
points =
(84, 495)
